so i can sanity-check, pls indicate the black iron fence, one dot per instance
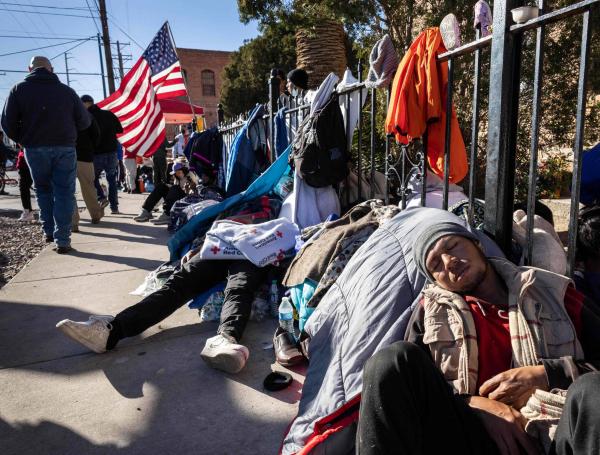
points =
(373, 153)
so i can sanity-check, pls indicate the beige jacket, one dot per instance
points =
(540, 327)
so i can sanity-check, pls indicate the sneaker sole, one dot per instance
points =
(68, 331)
(224, 362)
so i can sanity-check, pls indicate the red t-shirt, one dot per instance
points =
(493, 338)
(493, 333)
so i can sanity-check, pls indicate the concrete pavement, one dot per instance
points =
(154, 394)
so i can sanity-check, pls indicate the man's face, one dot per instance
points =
(87, 104)
(179, 174)
(456, 263)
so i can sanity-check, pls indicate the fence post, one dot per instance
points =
(220, 114)
(274, 84)
(502, 125)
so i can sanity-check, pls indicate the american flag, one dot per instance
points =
(155, 76)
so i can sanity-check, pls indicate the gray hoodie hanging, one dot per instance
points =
(383, 62)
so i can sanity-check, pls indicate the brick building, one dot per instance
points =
(203, 71)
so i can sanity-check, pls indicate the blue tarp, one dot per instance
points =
(179, 243)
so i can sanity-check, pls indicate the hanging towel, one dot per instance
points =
(323, 93)
(308, 206)
(383, 62)
(483, 18)
(352, 99)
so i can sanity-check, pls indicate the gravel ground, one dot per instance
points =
(19, 244)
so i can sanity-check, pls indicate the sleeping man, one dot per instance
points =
(490, 353)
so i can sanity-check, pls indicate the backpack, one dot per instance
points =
(319, 152)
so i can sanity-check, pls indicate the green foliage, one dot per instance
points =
(245, 79)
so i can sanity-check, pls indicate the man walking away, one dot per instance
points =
(105, 158)
(44, 116)
(87, 141)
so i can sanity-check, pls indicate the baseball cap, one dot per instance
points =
(178, 167)
(87, 99)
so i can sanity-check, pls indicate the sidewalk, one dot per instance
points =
(154, 394)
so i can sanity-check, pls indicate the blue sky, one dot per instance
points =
(201, 24)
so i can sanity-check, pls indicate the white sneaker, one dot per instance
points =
(93, 333)
(225, 355)
(27, 216)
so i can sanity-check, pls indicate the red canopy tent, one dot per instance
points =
(176, 111)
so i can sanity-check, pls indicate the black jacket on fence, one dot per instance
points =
(87, 141)
(42, 111)
(110, 126)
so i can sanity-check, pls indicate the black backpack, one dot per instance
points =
(319, 152)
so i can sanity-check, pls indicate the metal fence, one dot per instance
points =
(401, 163)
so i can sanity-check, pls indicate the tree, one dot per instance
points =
(245, 79)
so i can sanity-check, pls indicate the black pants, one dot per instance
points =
(25, 182)
(578, 431)
(195, 277)
(160, 166)
(408, 408)
(170, 193)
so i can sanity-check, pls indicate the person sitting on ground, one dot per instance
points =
(222, 351)
(186, 182)
(486, 335)
(587, 279)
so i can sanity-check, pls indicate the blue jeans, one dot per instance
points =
(109, 163)
(54, 170)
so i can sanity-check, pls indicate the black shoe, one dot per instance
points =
(64, 249)
(3, 193)
(49, 239)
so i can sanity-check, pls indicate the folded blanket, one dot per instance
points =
(262, 244)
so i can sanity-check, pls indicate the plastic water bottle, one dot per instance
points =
(286, 315)
(274, 299)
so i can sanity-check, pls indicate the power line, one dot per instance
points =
(45, 47)
(44, 37)
(49, 14)
(37, 5)
(91, 14)
(78, 74)
(70, 49)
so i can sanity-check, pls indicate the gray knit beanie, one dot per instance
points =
(431, 234)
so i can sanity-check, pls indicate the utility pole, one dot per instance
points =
(120, 60)
(106, 41)
(67, 69)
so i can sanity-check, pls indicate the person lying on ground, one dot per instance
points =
(486, 335)
(186, 182)
(222, 351)
(587, 278)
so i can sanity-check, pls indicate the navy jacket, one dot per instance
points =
(42, 111)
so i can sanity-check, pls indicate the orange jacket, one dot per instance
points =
(418, 103)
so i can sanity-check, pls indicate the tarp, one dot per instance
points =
(175, 111)
(261, 186)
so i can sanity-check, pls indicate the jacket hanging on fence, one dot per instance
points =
(204, 151)
(247, 157)
(418, 105)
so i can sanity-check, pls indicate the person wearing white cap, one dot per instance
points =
(45, 116)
